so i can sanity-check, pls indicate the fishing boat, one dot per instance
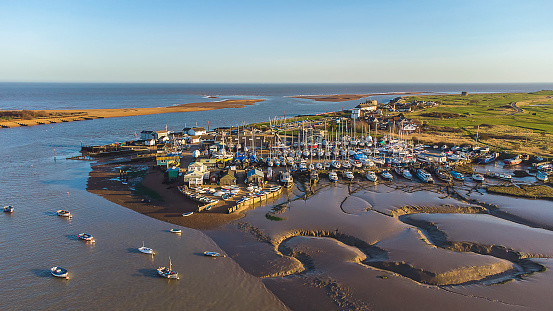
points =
(513, 161)
(187, 214)
(146, 250)
(387, 175)
(86, 237)
(63, 213)
(175, 230)
(487, 159)
(332, 176)
(506, 177)
(425, 176)
(371, 176)
(9, 209)
(457, 175)
(168, 273)
(478, 177)
(59, 272)
(213, 254)
(286, 179)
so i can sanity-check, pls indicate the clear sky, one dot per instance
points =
(276, 41)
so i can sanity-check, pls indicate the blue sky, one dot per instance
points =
(276, 41)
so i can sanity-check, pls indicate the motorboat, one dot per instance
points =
(513, 161)
(542, 176)
(387, 175)
(187, 214)
(86, 237)
(487, 159)
(168, 273)
(405, 173)
(506, 177)
(146, 250)
(478, 177)
(348, 175)
(59, 272)
(286, 179)
(175, 231)
(443, 175)
(9, 209)
(213, 254)
(319, 166)
(371, 176)
(332, 176)
(336, 164)
(425, 176)
(63, 213)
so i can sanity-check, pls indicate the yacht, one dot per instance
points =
(168, 272)
(146, 250)
(405, 173)
(349, 175)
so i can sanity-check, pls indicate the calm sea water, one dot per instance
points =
(111, 274)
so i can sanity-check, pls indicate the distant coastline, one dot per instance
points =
(348, 97)
(36, 117)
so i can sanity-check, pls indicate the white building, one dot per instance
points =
(195, 131)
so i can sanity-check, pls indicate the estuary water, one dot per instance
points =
(111, 274)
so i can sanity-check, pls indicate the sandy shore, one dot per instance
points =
(346, 97)
(169, 206)
(58, 116)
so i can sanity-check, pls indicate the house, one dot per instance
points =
(161, 135)
(363, 109)
(167, 160)
(195, 131)
(228, 178)
(173, 173)
(193, 178)
(209, 163)
(255, 176)
(147, 135)
(197, 166)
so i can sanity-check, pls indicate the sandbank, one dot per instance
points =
(346, 97)
(57, 116)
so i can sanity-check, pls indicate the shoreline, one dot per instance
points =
(58, 116)
(348, 97)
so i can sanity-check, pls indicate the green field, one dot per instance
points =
(500, 125)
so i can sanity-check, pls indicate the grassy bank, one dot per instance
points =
(526, 191)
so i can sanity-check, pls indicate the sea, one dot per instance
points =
(37, 179)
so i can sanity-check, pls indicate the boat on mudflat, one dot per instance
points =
(187, 214)
(59, 272)
(513, 161)
(478, 177)
(213, 254)
(175, 231)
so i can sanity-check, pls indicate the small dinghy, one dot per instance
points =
(63, 213)
(86, 237)
(59, 272)
(213, 254)
(187, 214)
(175, 230)
(146, 250)
(8, 209)
(168, 273)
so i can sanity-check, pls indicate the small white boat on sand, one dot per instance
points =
(146, 250)
(168, 273)
(187, 214)
(478, 177)
(59, 272)
(175, 231)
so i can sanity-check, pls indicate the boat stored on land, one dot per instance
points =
(478, 177)
(333, 177)
(457, 175)
(59, 272)
(425, 176)
(187, 214)
(371, 176)
(513, 161)
(286, 179)
(387, 175)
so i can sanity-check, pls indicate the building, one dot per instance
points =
(193, 179)
(161, 135)
(363, 109)
(255, 176)
(197, 166)
(228, 178)
(168, 160)
(194, 131)
(173, 173)
(147, 135)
